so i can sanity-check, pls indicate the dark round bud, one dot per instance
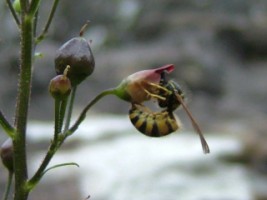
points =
(60, 87)
(76, 53)
(7, 154)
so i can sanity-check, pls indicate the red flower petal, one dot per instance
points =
(169, 68)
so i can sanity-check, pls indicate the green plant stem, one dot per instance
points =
(13, 12)
(35, 23)
(61, 165)
(55, 144)
(39, 173)
(89, 105)
(24, 4)
(48, 23)
(57, 128)
(41, 170)
(60, 107)
(23, 98)
(63, 107)
(8, 185)
(70, 108)
(34, 6)
(8, 128)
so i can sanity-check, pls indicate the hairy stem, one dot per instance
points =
(23, 98)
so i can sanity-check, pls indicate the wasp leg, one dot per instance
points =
(159, 87)
(154, 95)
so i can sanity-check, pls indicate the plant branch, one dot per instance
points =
(8, 186)
(39, 173)
(34, 6)
(55, 144)
(33, 182)
(13, 12)
(70, 108)
(83, 113)
(60, 165)
(57, 128)
(24, 4)
(63, 107)
(49, 20)
(60, 107)
(9, 129)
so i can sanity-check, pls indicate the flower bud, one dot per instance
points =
(60, 87)
(76, 53)
(6, 153)
(16, 6)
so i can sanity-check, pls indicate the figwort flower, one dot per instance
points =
(137, 87)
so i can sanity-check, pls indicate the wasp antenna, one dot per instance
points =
(204, 143)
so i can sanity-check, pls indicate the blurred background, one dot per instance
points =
(219, 48)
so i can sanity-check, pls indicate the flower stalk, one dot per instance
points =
(48, 23)
(8, 128)
(8, 185)
(70, 108)
(13, 12)
(81, 117)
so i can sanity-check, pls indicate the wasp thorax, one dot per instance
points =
(169, 94)
(153, 124)
(6, 152)
(78, 54)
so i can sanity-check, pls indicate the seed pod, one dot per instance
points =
(77, 53)
(7, 154)
(60, 87)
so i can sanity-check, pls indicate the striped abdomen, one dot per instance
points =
(153, 124)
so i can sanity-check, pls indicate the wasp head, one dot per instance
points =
(171, 89)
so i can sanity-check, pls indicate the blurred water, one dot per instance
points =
(118, 163)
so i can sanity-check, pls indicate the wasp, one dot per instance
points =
(169, 96)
